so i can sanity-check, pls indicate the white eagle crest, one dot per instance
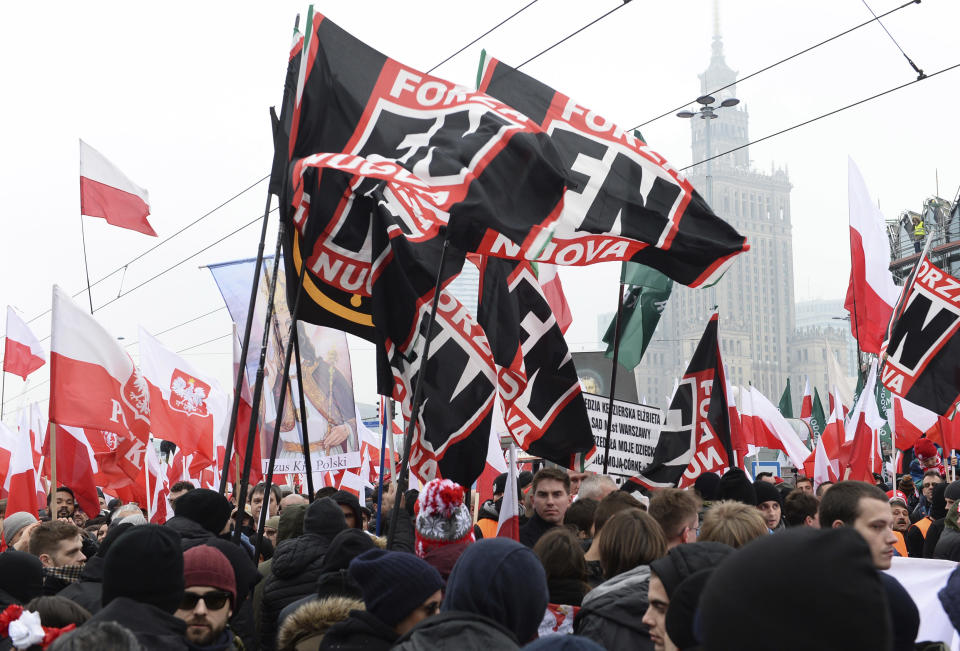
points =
(190, 397)
(139, 394)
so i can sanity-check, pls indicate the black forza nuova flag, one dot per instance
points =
(362, 132)
(624, 201)
(696, 435)
(922, 353)
(537, 381)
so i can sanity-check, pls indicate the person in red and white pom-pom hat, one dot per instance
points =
(443, 527)
(927, 458)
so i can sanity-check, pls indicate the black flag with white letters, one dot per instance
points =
(921, 357)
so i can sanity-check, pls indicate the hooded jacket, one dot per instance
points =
(611, 612)
(457, 631)
(298, 563)
(361, 631)
(310, 622)
(501, 581)
(290, 526)
(21, 577)
(948, 547)
(155, 629)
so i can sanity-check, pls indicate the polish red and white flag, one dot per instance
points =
(106, 192)
(495, 464)
(806, 406)
(862, 433)
(909, 422)
(22, 352)
(549, 279)
(769, 429)
(77, 467)
(871, 292)
(20, 481)
(186, 407)
(508, 526)
(93, 381)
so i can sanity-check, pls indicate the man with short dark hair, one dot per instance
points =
(678, 513)
(930, 479)
(804, 484)
(823, 488)
(177, 491)
(800, 509)
(551, 497)
(255, 501)
(59, 546)
(865, 508)
(62, 504)
(767, 477)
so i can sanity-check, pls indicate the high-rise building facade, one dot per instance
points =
(755, 297)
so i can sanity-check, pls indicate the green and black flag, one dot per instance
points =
(642, 307)
(786, 403)
(817, 420)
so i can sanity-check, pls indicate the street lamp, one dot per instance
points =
(708, 111)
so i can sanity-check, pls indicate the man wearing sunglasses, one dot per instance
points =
(209, 594)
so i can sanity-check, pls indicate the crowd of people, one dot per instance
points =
(596, 566)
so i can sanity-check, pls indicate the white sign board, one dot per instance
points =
(634, 434)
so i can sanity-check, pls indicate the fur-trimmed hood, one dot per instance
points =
(314, 618)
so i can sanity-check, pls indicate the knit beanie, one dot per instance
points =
(14, 523)
(324, 517)
(21, 575)
(145, 565)
(684, 604)
(272, 522)
(830, 571)
(735, 485)
(291, 522)
(207, 566)
(707, 484)
(443, 518)
(346, 546)
(206, 507)
(394, 584)
(924, 449)
(767, 492)
(683, 560)
(953, 491)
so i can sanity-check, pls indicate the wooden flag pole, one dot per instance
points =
(403, 479)
(613, 376)
(146, 477)
(303, 406)
(278, 422)
(53, 467)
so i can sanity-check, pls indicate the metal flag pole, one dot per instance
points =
(384, 427)
(257, 385)
(402, 479)
(3, 391)
(278, 422)
(303, 402)
(613, 377)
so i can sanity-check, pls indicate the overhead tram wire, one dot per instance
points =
(825, 115)
(160, 243)
(204, 343)
(486, 33)
(127, 345)
(784, 60)
(572, 34)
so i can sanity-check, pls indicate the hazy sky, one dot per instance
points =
(177, 94)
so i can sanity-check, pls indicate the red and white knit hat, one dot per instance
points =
(442, 517)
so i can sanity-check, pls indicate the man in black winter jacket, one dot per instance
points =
(143, 586)
(88, 591)
(297, 564)
(551, 498)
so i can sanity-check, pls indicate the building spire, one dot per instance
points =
(717, 39)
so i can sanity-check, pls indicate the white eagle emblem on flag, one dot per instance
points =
(188, 394)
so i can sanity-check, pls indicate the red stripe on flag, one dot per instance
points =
(19, 360)
(118, 207)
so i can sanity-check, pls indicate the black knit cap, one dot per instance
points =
(707, 484)
(208, 508)
(346, 546)
(684, 560)
(735, 485)
(21, 575)
(324, 517)
(145, 565)
(953, 491)
(938, 501)
(394, 584)
(684, 601)
(767, 492)
(830, 571)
